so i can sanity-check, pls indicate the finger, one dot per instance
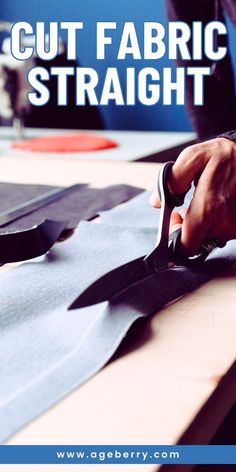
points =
(195, 227)
(188, 167)
(154, 200)
(183, 212)
(175, 222)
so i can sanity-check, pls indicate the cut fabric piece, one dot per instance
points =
(45, 350)
(28, 207)
(83, 204)
(65, 143)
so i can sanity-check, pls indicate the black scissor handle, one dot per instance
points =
(171, 200)
(178, 257)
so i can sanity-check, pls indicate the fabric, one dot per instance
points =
(65, 143)
(45, 350)
(135, 215)
(83, 204)
(27, 244)
(138, 213)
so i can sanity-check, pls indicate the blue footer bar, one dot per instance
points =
(117, 454)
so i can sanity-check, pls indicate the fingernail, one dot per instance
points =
(154, 199)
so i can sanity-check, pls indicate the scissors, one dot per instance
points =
(167, 250)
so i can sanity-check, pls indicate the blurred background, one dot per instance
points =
(138, 117)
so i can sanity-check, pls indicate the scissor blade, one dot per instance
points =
(106, 286)
(118, 279)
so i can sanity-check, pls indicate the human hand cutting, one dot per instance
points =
(211, 215)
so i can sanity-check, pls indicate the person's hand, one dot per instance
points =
(212, 213)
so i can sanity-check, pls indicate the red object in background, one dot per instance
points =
(66, 143)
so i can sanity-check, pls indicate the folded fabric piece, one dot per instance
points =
(28, 244)
(46, 350)
(83, 204)
(66, 143)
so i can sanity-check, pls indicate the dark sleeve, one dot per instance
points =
(231, 135)
(218, 114)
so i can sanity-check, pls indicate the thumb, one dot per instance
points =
(176, 221)
(154, 199)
